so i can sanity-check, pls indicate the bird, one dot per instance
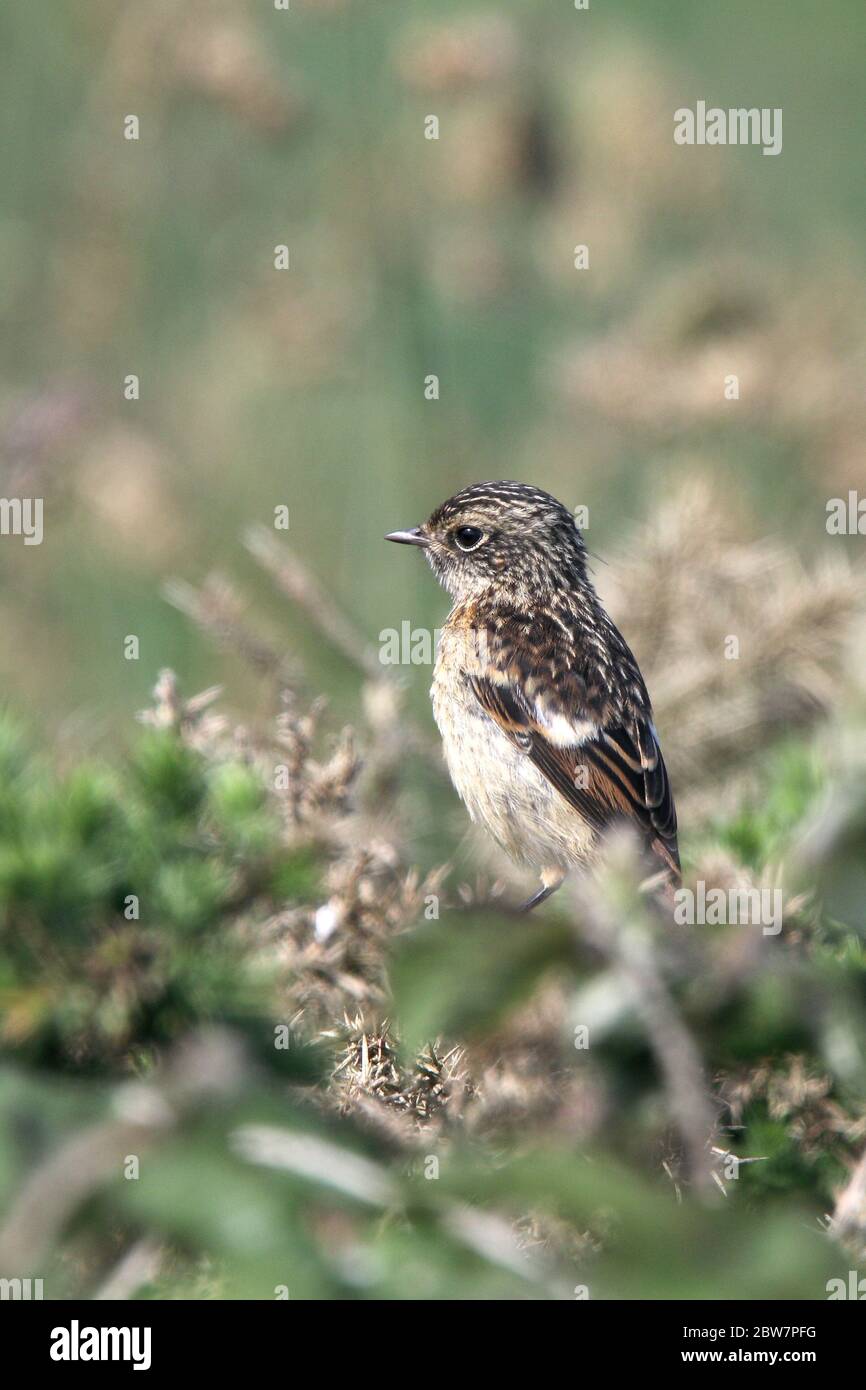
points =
(546, 723)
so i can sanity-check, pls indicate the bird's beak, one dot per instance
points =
(414, 537)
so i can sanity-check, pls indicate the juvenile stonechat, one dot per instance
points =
(544, 715)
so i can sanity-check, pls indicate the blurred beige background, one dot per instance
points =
(407, 257)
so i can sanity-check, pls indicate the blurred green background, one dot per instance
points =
(408, 257)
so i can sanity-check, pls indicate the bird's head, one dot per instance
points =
(508, 536)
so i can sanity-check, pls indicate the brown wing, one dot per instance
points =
(609, 773)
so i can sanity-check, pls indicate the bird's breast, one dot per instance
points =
(501, 788)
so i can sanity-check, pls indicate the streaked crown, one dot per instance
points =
(505, 534)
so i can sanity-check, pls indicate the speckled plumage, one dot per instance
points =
(545, 719)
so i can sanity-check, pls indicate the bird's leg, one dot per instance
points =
(536, 898)
(551, 880)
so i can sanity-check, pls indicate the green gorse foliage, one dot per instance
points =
(148, 1066)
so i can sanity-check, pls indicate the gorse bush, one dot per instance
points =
(206, 1094)
(251, 1049)
(121, 892)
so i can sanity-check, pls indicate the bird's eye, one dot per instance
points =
(468, 537)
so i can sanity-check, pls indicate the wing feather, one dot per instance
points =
(606, 773)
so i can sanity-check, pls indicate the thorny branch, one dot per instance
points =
(623, 934)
